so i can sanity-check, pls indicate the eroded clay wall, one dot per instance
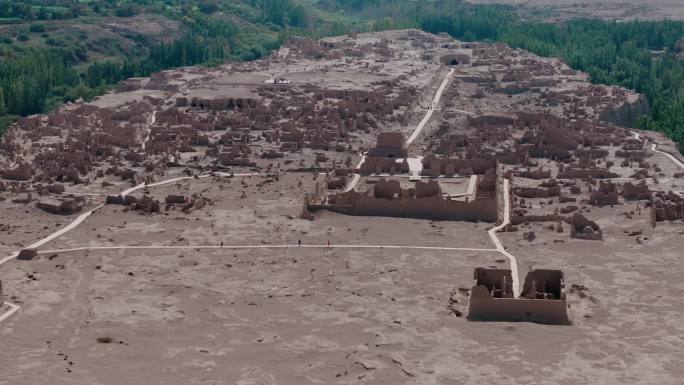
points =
(435, 208)
(517, 310)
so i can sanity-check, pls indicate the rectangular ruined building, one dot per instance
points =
(424, 201)
(542, 299)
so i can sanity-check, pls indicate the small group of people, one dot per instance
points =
(299, 242)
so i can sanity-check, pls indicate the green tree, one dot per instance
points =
(3, 109)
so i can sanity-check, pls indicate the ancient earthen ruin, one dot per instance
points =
(349, 184)
(542, 299)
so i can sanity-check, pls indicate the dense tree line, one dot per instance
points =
(26, 81)
(213, 45)
(283, 12)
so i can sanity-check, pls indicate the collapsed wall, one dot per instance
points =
(433, 166)
(433, 208)
(541, 301)
(424, 201)
(666, 207)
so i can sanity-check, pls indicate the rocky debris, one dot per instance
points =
(583, 228)
(666, 207)
(581, 292)
(568, 209)
(196, 202)
(145, 204)
(272, 154)
(534, 192)
(606, 195)
(175, 199)
(23, 172)
(631, 192)
(337, 183)
(56, 188)
(62, 206)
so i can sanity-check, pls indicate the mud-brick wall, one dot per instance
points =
(435, 208)
(627, 113)
(546, 311)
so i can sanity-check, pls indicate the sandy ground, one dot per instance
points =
(296, 316)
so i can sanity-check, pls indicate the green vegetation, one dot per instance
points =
(644, 56)
(40, 70)
(213, 43)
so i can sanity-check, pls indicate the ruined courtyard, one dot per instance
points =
(335, 213)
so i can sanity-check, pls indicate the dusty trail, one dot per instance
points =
(237, 247)
(672, 157)
(431, 109)
(419, 128)
(499, 246)
(654, 148)
(13, 309)
(356, 177)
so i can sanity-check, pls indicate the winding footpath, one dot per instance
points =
(431, 109)
(356, 177)
(419, 128)
(499, 246)
(654, 148)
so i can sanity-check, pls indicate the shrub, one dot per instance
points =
(208, 6)
(37, 28)
(104, 340)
